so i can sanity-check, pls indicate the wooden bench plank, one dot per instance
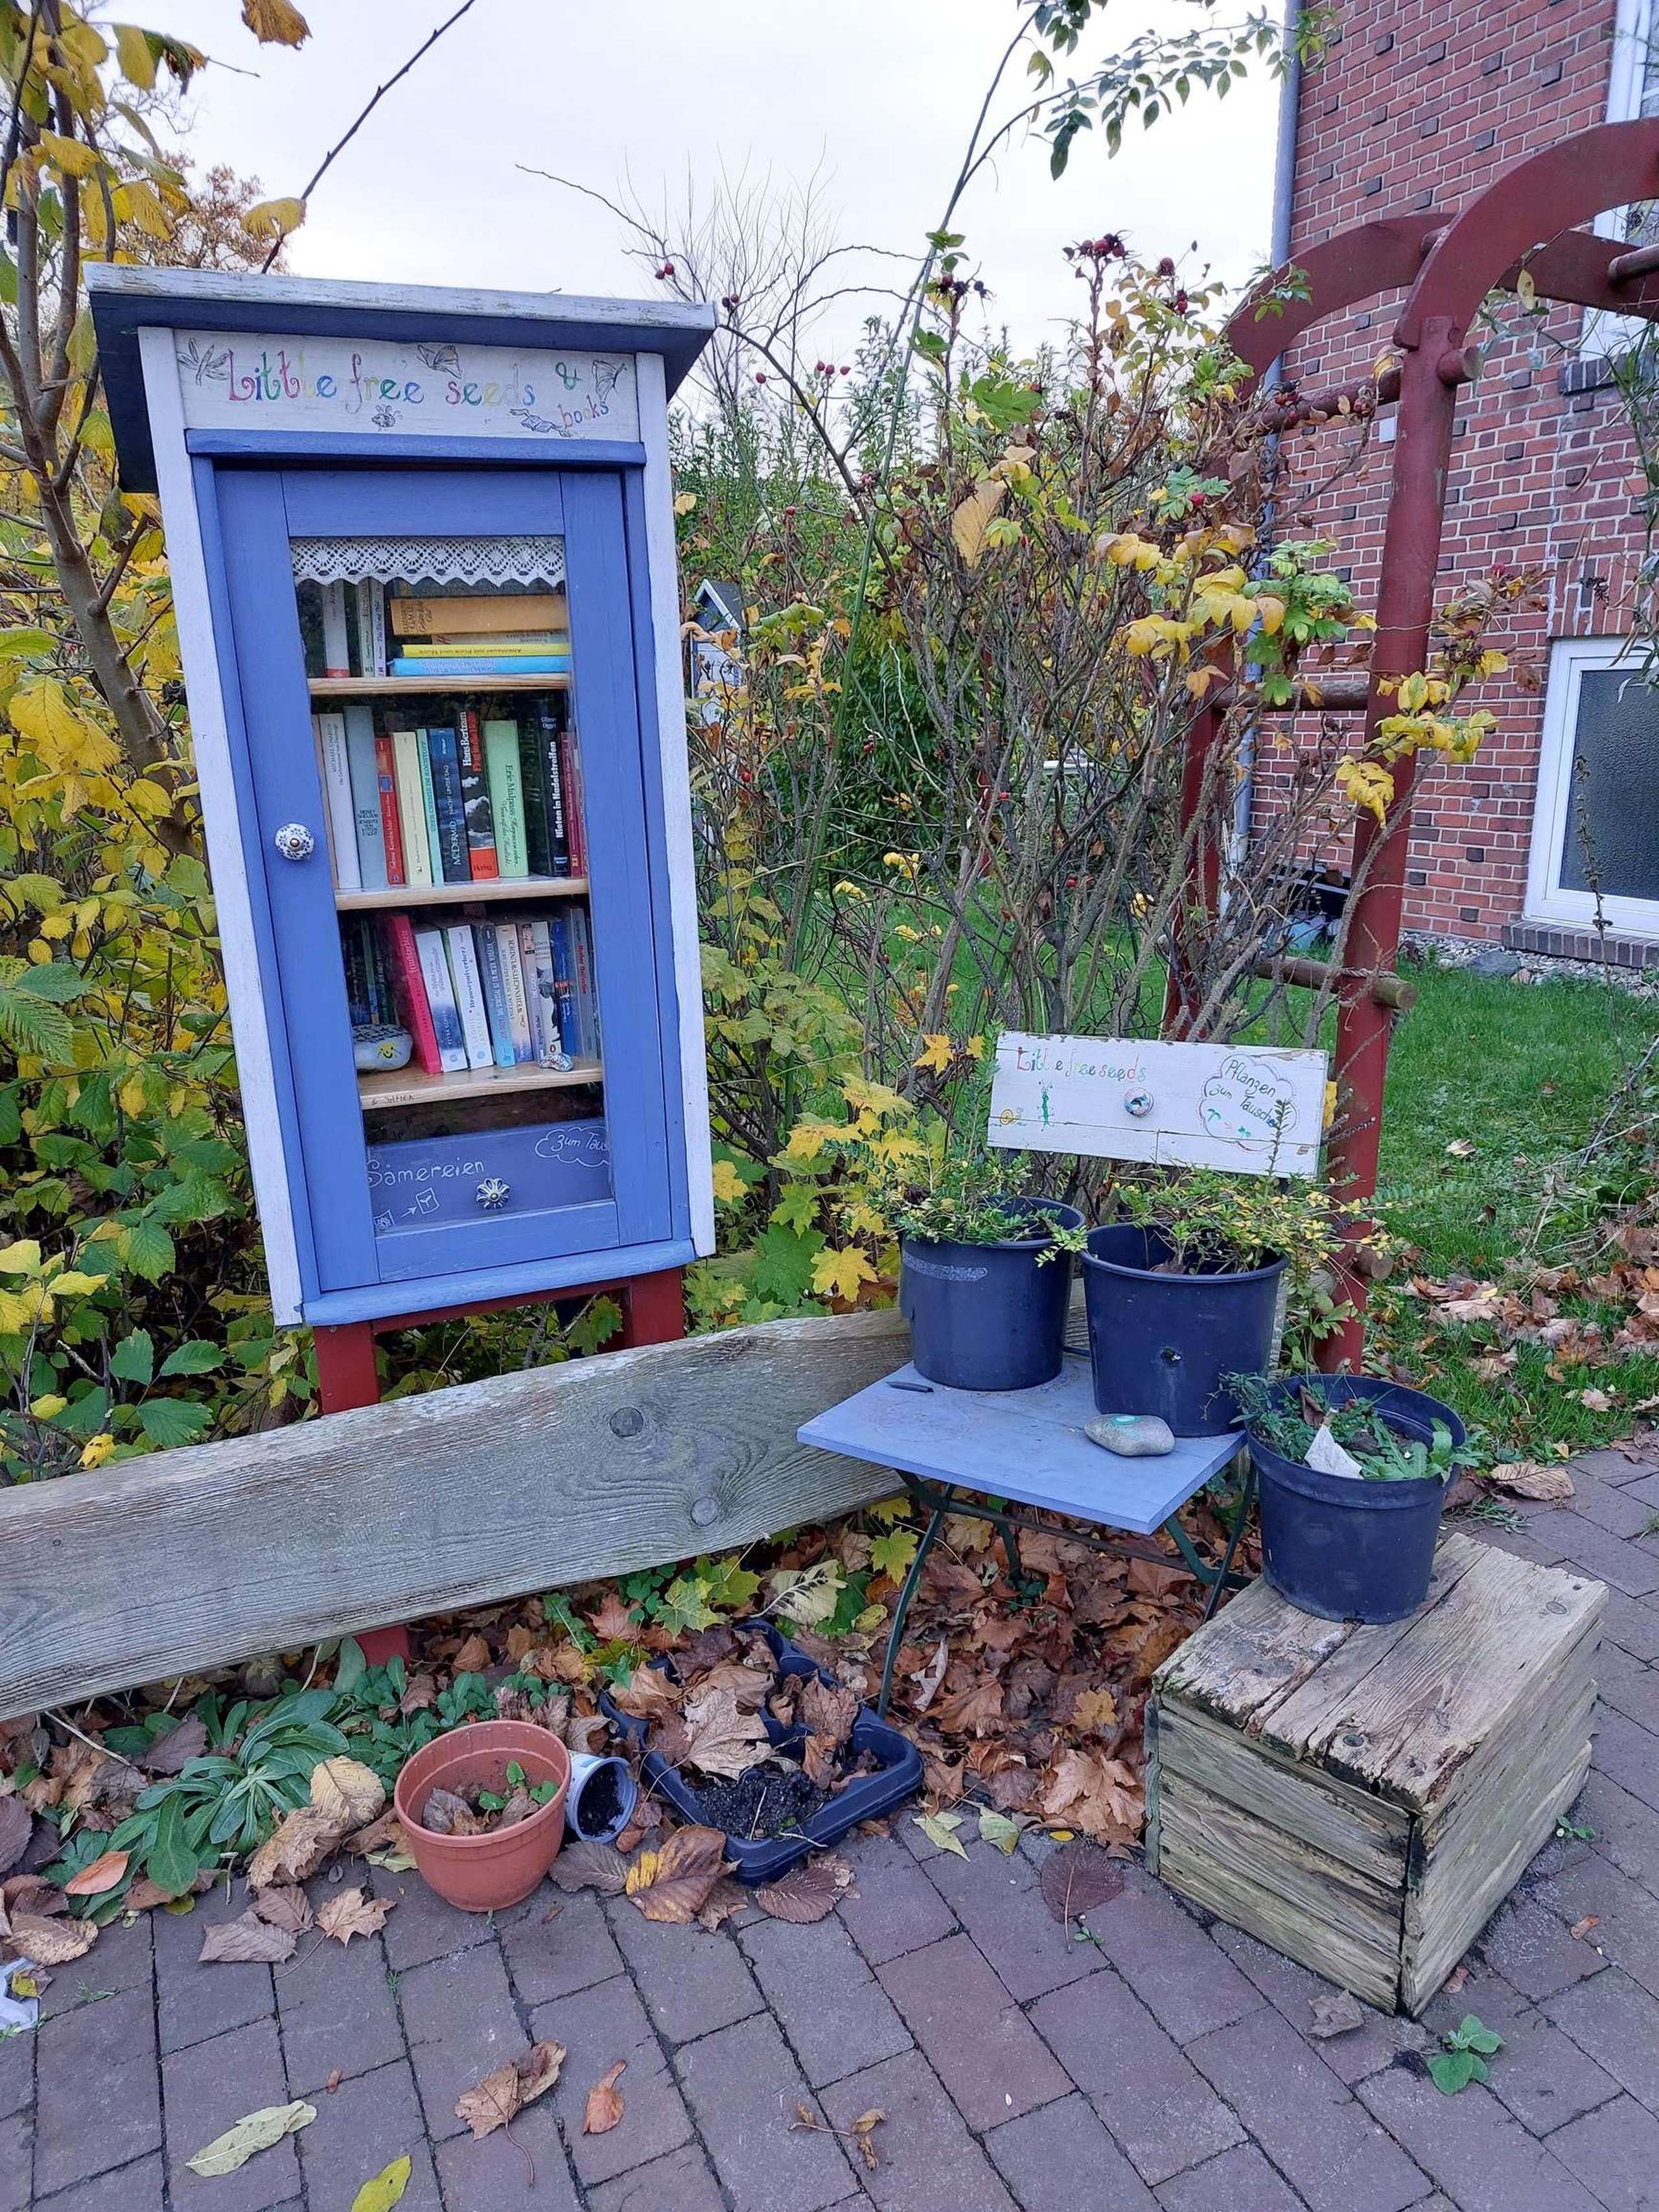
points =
(190, 1558)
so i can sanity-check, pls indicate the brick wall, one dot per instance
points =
(1420, 104)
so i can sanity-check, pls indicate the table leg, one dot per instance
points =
(907, 1590)
(1246, 1495)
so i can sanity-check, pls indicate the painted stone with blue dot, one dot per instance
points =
(1131, 1436)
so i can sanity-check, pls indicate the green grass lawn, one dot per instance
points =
(1523, 1073)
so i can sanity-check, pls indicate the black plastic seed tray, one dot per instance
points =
(866, 1798)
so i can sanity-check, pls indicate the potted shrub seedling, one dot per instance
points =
(1352, 1472)
(482, 1808)
(984, 1313)
(1181, 1289)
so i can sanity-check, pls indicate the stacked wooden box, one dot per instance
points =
(1365, 1798)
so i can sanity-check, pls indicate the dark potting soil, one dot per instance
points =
(601, 1803)
(763, 1801)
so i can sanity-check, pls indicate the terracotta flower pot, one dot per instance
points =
(482, 1874)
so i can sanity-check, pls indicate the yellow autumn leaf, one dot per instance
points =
(47, 1405)
(685, 501)
(73, 1284)
(97, 1449)
(73, 157)
(838, 1274)
(273, 218)
(276, 22)
(808, 1138)
(729, 1185)
(133, 52)
(22, 1257)
(137, 201)
(971, 520)
(936, 1051)
(385, 2188)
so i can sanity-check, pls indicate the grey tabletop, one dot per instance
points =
(1026, 1445)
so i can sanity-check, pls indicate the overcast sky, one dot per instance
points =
(879, 94)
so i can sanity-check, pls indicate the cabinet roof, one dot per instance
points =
(126, 299)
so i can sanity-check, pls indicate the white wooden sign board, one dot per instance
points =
(230, 380)
(1251, 1110)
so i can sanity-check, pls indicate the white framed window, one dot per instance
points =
(1597, 819)
(1632, 92)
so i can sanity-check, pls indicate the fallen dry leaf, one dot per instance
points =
(605, 2103)
(49, 1942)
(1101, 1797)
(104, 1874)
(725, 1898)
(302, 1841)
(289, 1909)
(473, 1656)
(246, 1941)
(933, 1674)
(863, 2131)
(1078, 1877)
(827, 1709)
(491, 2103)
(1531, 1478)
(1455, 1981)
(591, 1866)
(254, 2131)
(1581, 1928)
(721, 1739)
(1335, 2012)
(671, 1882)
(612, 1620)
(171, 1753)
(805, 1894)
(16, 1826)
(648, 1695)
(385, 2189)
(347, 1792)
(335, 2076)
(447, 1814)
(350, 1913)
(1594, 1401)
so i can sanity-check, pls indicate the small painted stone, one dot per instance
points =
(1131, 1436)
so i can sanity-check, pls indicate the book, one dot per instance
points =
(587, 997)
(384, 996)
(368, 634)
(365, 798)
(575, 822)
(391, 831)
(533, 777)
(549, 724)
(468, 994)
(408, 752)
(541, 989)
(483, 664)
(564, 983)
(409, 988)
(443, 756)
(330, 733)
(517, 1006)
(500, 742)
(356, 978)
(429, 807)
(441, 1000)
(508, 611)
(475, 800)
(494, 990)
(483, 646)
(336, 643)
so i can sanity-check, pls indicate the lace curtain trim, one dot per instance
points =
(464, 562)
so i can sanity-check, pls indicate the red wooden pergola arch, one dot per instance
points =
(1527, 219)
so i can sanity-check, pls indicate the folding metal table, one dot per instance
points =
(997, 1454)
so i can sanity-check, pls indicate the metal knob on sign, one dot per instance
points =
(294, 841)
(492, 1192)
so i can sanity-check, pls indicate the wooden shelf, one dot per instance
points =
(412, 1086)
(449, 687)
(396, 896)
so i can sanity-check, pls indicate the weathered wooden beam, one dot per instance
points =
(190, 1559)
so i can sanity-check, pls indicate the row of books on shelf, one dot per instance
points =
(475, 994)
(370, 630)
(474, 801)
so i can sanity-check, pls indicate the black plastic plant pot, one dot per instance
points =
(989, 1316)
(866, 1798)
(1348, 1550)
(1160, 1343)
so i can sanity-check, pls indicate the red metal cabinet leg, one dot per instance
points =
(654, 1309)
(346, 1373)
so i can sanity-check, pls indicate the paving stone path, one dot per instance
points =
(1163, 2064)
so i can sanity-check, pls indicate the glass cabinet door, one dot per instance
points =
(436, 678)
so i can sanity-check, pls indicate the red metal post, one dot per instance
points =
(346, 1374)
(1202, 885)
(1405, 608)
(654, 1309)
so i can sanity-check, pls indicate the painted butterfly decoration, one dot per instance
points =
(440, 357)
(202, 362)
(606, 377)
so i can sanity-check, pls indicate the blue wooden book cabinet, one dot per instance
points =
(423, 552)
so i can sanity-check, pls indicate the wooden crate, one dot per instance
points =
(1363, 1799)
